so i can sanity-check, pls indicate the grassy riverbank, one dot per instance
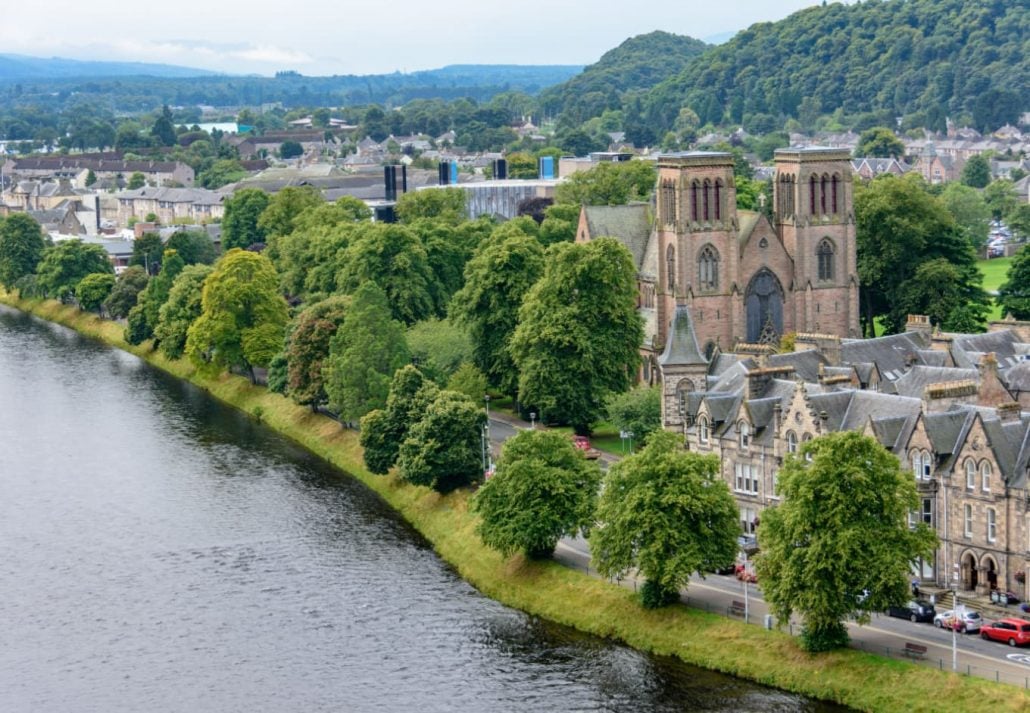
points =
(569, 597)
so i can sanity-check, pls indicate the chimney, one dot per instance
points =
(826, 344)
(941, 397)
(919, 323)
(758, 379)
(991, 391)
(1008, 412)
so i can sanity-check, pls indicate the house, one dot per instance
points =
(869, 168)
(170, 205)
(77, 168)
(937, 168)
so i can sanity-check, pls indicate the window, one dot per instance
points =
(702, 430)
(985, 476)
(693, 201)
(706, 189)
(927, 466)
(825, 260)
(668, 202)
(683, 388)
(917, 464)
(718, 199)
(805, 439)
(670, 268)
(745, 479)
(708, 268)
(833, 184)
(811, 195)
(967, 520)
(745, 434)
(992, 525)
(747, 520)
(792, 442)
(926, 515)
(970, 474)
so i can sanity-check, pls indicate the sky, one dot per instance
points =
(319, 37)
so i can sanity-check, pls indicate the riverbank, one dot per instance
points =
(572, 598)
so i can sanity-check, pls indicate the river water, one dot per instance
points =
(162, 552)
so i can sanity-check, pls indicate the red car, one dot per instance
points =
(1014, 632)
(583, 444)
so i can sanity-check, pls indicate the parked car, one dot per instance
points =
(583, 444)
(967, 621)
(914, 610)
(746, 575)
(999, 597)
(1014, 632)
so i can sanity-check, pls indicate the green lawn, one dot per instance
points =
(995, 272)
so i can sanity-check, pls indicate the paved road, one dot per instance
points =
(883, 635)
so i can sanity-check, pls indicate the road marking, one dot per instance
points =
(1019, 658)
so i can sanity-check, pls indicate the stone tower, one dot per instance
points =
(683, 367)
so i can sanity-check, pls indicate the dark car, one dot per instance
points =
(999, 597)
(914, 610)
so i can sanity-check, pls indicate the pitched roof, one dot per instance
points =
(913, 382)
(631, 224)
(681, 346)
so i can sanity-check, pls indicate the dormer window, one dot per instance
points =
(792, 442)
(702, 430)
(985, 476)
(970, 474)
(744, 434)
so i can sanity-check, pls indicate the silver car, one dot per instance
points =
(966, 621)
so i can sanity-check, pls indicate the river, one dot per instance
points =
(163, 552)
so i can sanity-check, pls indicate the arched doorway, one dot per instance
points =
(763, 302)
(989, 572)
(969, 572)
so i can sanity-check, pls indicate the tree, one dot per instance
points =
(560, 224)
(880, 142)
(543, 490)
(285, 207)
(240, 228)
(290, 149)
(439, 347)
(91, 178)
(938, 290)
(193, 246)
(1000, 196)
(143, 318)
(21, 247)
(638, 411)
(1014, 294)
(447, 204)
(163, 129)
(967, 206)
(468, 380)
(242, 318)
(221, 173)
(125, 292)
(66, 263)
(383, 430)
(609, 184)
(147, 251)
(307, 349)
(1018, 220)
(363, 355)
(180, 310)
(136, 181)
(579, 332)
(899, 226)
(667, 513)
(93, 289)
(497, 279)
(840, 542)
(443, 450)
(394, 258)
(977, 171)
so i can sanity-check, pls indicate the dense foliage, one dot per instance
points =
(443, 450)
(180, 310)
(666, 513)
(21, 247)
(840, 544)
(1014, 295)
(543, 490)
(307, 349)
(65, 264)
(383, 430)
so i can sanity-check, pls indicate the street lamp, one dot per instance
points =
(532, 420)
(487, 455)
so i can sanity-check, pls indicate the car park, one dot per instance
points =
(968, 621)
(1014, 632)
(914, 610)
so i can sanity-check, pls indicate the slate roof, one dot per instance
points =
(681, 347)
(891, 354)
(806, 363)
(919, 377)
(1017, 378)
(631, 224)
(747, 220)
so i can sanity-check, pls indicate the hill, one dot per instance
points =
(639, 63)
(15, 67)
(876, 60)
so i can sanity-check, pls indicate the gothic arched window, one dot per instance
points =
(706, 189)
(822, 194)
(693, 201)
(834, 183)
(670, 268)
(811, 195)
(708, 268)
(825, 254)
(718, 199)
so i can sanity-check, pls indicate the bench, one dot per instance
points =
(736, 608)
(914, 651)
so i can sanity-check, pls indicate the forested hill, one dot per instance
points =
(639, 63)
(19, 67)
(920, 59)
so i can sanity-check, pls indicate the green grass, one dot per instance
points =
(995, 273)
(859, 680)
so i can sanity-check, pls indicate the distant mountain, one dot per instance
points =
(921, 59)
(17, 67)
(637, 64)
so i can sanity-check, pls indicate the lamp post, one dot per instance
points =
(954, 623)
(487, 455)
(532, 420)
(745, 588)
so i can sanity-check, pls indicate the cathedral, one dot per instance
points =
(737, 275)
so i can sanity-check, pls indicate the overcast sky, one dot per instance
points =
(346, 37)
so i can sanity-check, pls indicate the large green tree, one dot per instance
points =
(66, 263)
(609, 184)
(364, 354)
(286, 207)
(579, 332)
(839, 543)
(180, 310)
(637, 411)
(543, 490)
(147, 251)
(439, 347)
(447, 204)
(240, 228)
(899, 227)
(967, 206)
(143, 318)
(383, 430)
(977, 171)
(193, 246)
(443, 450)
(21, 247)
(126, 291)
(1014, 294)
(666, 513)
(394, 258)
(881, 142)
(93, 289)
(242, 318)
(497, 279)
(308, 347)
